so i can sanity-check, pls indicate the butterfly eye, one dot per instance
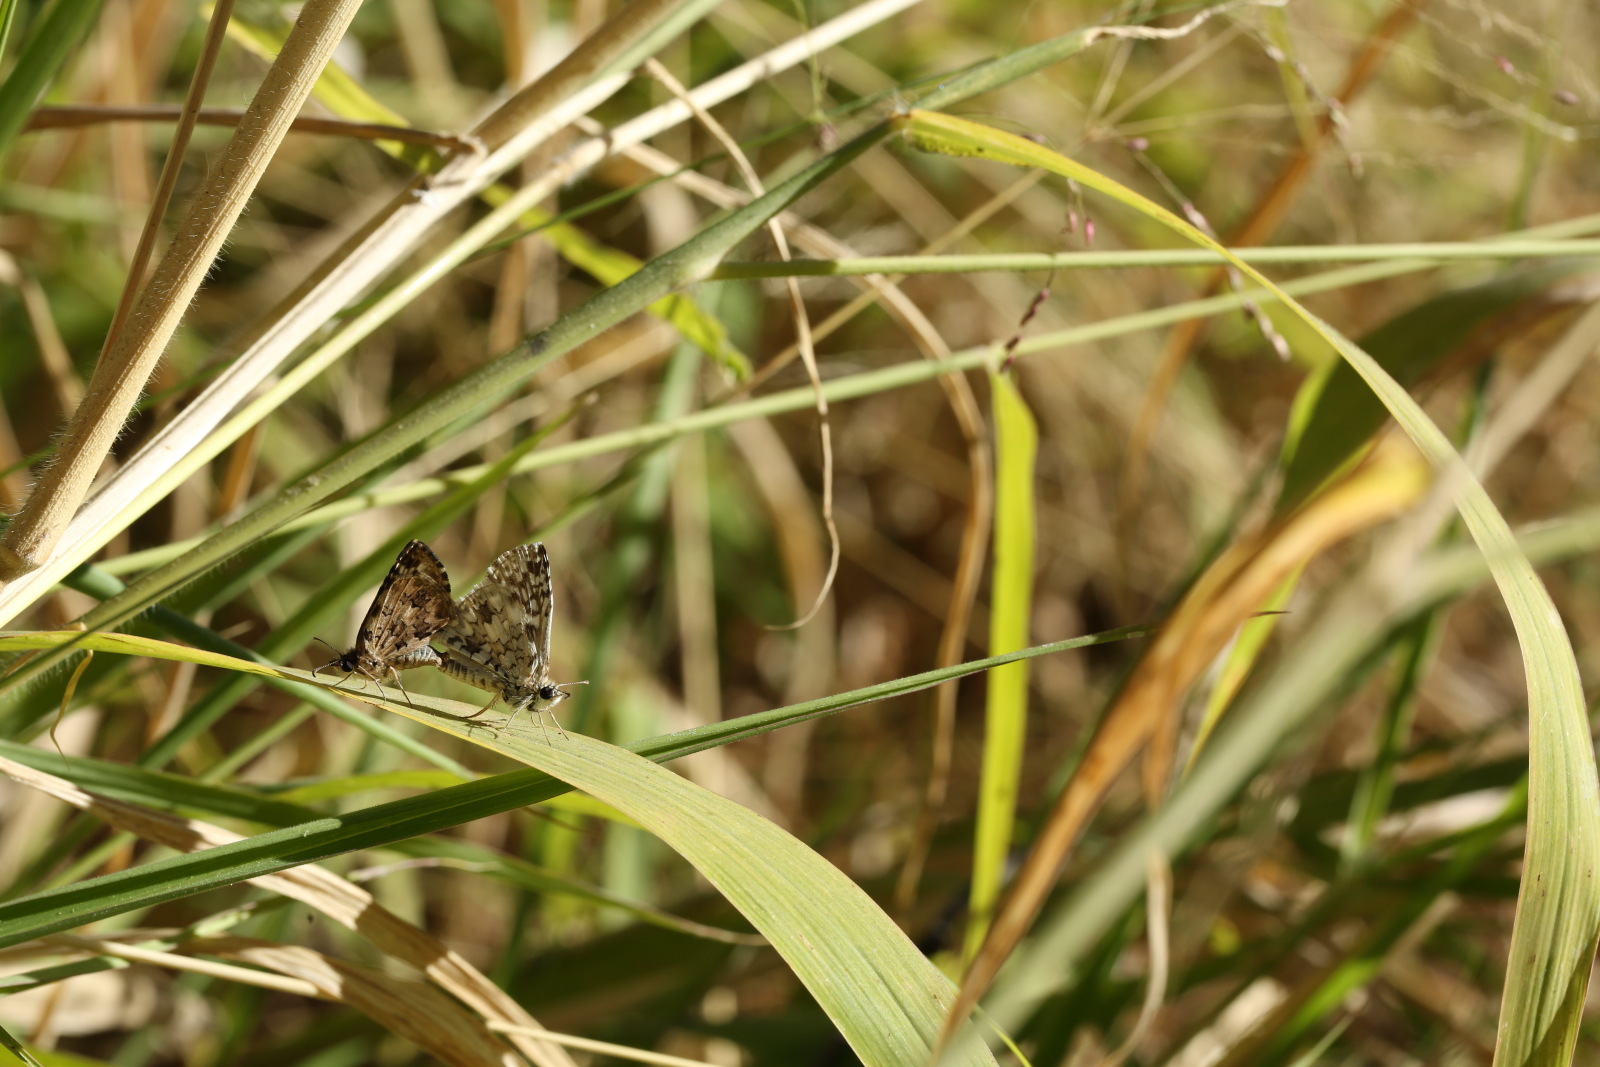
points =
(549, 692)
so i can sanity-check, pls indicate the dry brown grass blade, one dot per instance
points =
(1224, 596)
(221, 12)
(799, 536)
(802, 322)
(64, 117)
(621, 1052)
(342, 901)
(117, 947)
(953, 633)
(416, 1011)
(957, 615)
(127, 363)
(558, 98)
(54, 359)
(1269, 210)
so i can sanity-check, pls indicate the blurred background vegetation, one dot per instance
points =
(1350, 903)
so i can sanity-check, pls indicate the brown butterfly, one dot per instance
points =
(499, 640)
(412, 605)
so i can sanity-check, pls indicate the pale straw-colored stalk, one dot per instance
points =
(337, 899)
(126, 365)
(193, 437)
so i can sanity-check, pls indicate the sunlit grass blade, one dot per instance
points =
(344, 96)
(1556, 927)
(50, 39)
(1010, 612)
(395, 821)
(885, 997)
(17, 1048)
(1336, 412)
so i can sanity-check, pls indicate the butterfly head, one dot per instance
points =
(541, 698)
(348, 662)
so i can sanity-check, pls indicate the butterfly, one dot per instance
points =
(412, 605)
(499, 640)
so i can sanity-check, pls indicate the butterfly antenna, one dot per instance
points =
(332, 662)
(337, 657)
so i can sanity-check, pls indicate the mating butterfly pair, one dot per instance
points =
(496, 638)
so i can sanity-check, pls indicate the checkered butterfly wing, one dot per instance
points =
(503, 625)
(411, 606)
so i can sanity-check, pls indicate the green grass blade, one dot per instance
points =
(1339, 412)
(17, 1048)
(8, 19)
(885, 997)
(384, 824)
(1557, 925)
(52, 37)
(1010, 609)
(176, 793)
(467, 397)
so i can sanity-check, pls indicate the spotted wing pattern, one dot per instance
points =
(411, 606)
(500, 638)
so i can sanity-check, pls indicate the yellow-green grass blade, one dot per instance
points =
(610, 265)
(17, 1048)
(185, 796)
(1558, 920)
(383, 824)
(1241, 657)
(336, 90)
(885, 997)
(53, 35)
(1110, 259)
(8, 19)
(1010, 608)
(1335, 415)
(1336, 412)
(347, 98)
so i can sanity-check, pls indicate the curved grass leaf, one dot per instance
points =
(1338, 412)
(1557, 924)
(383, 824)
(886, 998)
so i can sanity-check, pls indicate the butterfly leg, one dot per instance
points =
(495, 726)
(483, 709)
(341, 681)
(374, 678)
(559, 729)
